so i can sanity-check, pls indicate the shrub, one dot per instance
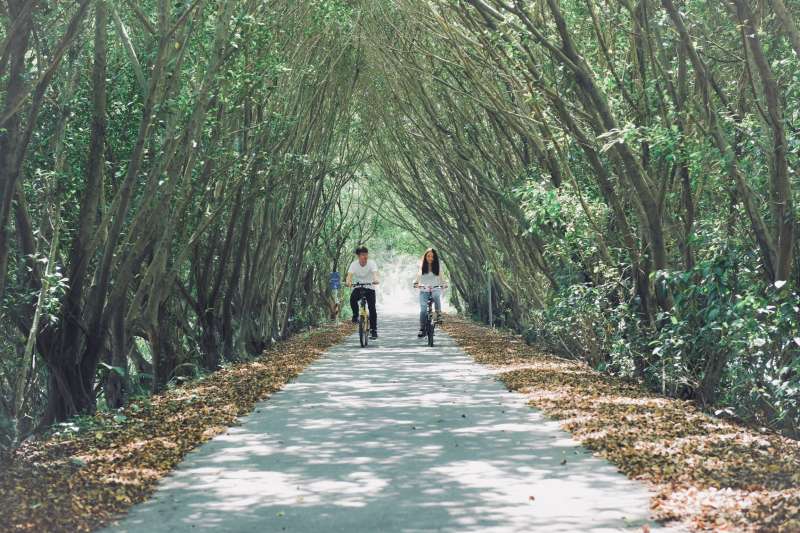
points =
(729, 341)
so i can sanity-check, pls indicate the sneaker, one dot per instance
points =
(438, 318)
(421, 334)
(373, 334)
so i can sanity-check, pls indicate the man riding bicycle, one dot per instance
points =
(363, 271)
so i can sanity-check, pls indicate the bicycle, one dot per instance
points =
(429, 327)
(363, 315)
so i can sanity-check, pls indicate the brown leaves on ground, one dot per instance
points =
(80, 482)
(709, 473)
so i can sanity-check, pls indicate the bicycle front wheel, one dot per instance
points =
(431, 327)
(363, 336)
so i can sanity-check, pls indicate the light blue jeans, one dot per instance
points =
(423, 304)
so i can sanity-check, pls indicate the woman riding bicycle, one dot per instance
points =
(431, 282)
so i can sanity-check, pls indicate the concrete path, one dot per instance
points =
(395, 437)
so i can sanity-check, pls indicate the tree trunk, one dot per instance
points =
(116, 386)
(10, 135)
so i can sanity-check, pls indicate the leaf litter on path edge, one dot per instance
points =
(710, 474)
(81, 481)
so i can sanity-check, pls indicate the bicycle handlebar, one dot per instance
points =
(356, 285)
(430, 286)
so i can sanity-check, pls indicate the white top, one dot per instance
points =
(430, 279)
(363, 274)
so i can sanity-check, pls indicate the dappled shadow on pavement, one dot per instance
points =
(395, 437)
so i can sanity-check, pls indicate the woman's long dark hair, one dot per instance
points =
(434, 265)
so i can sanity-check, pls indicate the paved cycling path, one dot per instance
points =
(397, 437)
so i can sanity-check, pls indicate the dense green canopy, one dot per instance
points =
(177, 179)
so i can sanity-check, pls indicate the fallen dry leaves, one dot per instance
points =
(81, 482)
(709, 473)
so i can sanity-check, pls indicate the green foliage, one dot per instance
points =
(728, 340)
(6, 432)
(402, 125)
(331, 14)
(397, 240)
(75, 425)
(721, 314)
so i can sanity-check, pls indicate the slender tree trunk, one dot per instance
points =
(783, 206)
(787, 22)
(10, 135)
(61, 359)
(116, 386)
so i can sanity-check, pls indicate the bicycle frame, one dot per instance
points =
(363, 315)
(430, 324)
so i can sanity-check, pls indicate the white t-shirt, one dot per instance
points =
(430, 279)
(363, 274)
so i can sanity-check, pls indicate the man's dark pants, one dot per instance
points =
(355, 296)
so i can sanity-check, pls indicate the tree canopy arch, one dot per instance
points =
(178, 179)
